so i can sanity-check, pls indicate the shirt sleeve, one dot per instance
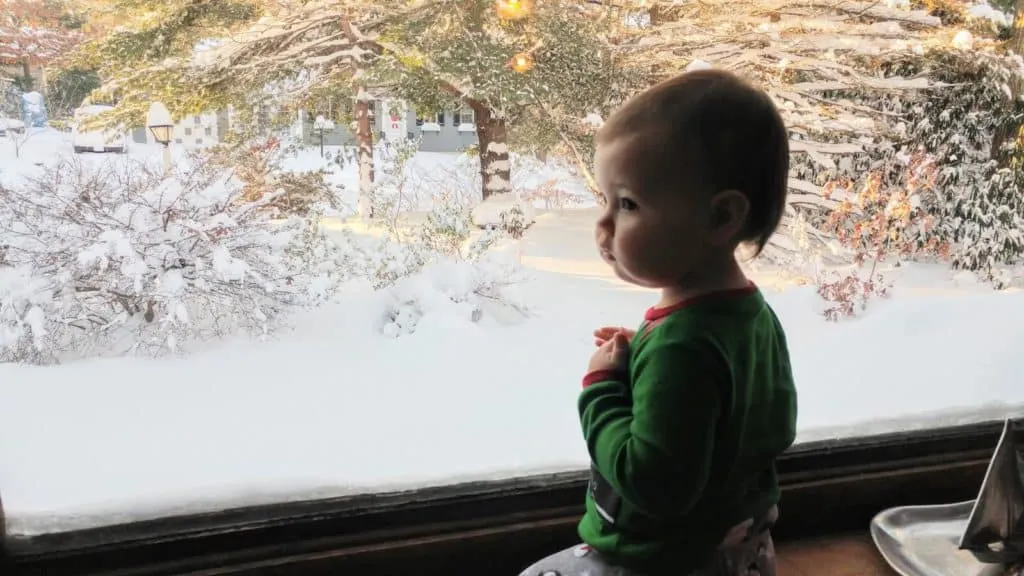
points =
(653, 441)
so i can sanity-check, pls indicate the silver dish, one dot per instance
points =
(925, 541)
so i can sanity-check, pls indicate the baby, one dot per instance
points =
(685, 417)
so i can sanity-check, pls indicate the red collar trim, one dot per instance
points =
(655, 313)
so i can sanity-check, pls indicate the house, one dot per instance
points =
(193, 131)
(445, 131)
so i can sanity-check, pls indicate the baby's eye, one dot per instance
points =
(627, 204)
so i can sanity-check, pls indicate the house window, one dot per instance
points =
(465, 116)
(177, 140)
(372, 108)
(198, 120)
(440, 118)
(188, 131)
(199, 141)
(208, 131)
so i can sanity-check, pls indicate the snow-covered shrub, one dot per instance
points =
(967, 124)
(441, 263)
(972, 129)
(259, 167)
(878, 222)
(119, 259)
(393, 194)
(460, 288)
(552, 196)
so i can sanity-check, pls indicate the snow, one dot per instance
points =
(986, 12)
(333, 406)
(697, 64)
(963, 40)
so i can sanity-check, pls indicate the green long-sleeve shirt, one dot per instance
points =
(683, 447)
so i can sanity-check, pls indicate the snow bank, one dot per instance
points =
(335, 407)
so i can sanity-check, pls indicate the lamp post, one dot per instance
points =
(322, 125)
(159, 122)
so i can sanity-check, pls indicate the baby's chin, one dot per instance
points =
(635, 279)
(622, 273)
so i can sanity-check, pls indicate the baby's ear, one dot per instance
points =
(729, 210)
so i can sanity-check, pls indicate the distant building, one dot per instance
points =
(194, 131)
(445, 131)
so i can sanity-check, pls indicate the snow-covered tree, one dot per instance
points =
(863, 86)
(140, 47)
(34, 33)
(546, 65)
(535, 70)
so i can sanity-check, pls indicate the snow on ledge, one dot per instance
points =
(213, 498)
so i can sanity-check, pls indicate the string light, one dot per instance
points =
(513, 9)
(521, 62)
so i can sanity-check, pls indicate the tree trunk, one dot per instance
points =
(364, 139)
(26, 71)
(492, 136)
(1009, 130)
(1017, 37)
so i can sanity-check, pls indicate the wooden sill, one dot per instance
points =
(843, 555)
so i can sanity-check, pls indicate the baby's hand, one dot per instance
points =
(612, 355)
(602, 335)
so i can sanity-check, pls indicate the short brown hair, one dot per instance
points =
(725, 132)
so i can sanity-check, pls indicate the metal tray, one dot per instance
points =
(925, 541)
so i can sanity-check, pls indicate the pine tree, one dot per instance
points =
(530, 72)
(143, 50)
(534, 70)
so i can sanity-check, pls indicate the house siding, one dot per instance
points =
(445, 138)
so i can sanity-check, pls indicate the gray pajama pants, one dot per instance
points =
(747, 550)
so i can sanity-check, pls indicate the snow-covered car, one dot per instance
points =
(107, 140)
(11, 125)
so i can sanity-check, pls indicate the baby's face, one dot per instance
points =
(653, 234)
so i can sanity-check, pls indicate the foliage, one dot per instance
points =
(258, 167)
(443, 58)
(34, 32)
(122, 260)
(879, 223)
(146, 56)
(67, 88)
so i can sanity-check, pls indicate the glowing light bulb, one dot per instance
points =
(521, 62)
(512, 9)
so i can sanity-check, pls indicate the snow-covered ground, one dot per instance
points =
(332, 406)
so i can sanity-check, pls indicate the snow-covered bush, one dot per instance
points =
(967, 123)
(464, 288)
(441, 262)
(258, 166)
(878, 222)
(118, 259)
(393, 194)
(971, 128)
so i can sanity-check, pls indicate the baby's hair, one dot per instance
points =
(711, 129)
